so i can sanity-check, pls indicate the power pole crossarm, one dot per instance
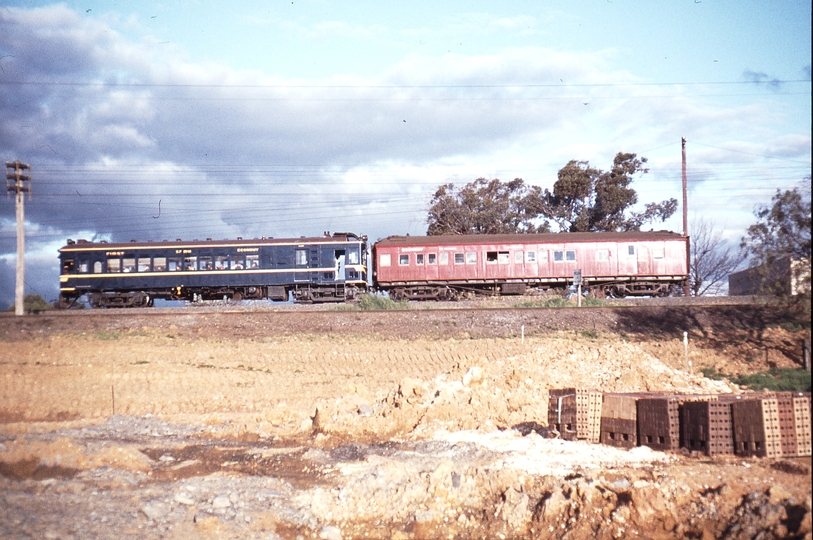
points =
(19, 182)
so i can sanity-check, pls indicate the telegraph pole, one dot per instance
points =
(20, 183)
(686, 286)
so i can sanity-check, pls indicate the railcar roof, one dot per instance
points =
(84, 245)
(530, 238)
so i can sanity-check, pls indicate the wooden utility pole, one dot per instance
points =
(19, 183)
(687, 291)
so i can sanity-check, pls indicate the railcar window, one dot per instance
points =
(602, 255)
(353, 257)
(302, 257)
(67, 266)
(570, 255)
(558, 256)
(419, 258)
(174, 264)
(84, 267)
(518, 257)
(159, 264)
(205, 263)
(503, 257)
(543, 256)
(129, 265)
(631, 251)
(530, 256)
(114, 265)
(444, 258)
(144, 264)
(252, 261)
(384, 259)
(491, 256)
(190, 263)
(459, 258)
(221, 263)
(471, 257)
(237, 264)
(432, 258)
(97, 267)
(403, 260)
(657, 253)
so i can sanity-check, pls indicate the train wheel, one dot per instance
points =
(237, 296)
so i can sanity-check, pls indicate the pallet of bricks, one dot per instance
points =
(706, 424)
(619, 420)
(658, 421)
(575, 413)
(772, 424)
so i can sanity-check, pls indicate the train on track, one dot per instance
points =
(334, 268)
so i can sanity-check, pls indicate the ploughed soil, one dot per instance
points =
(286, 422)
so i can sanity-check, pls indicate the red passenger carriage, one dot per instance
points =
(613, 264)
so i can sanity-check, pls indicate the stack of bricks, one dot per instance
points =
(706, 426)
(619, 420)
(575, 413)
(659, 422)
(756, 427)
(801, 417)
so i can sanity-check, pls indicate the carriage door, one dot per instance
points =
(338, 255)
(301, 265)
(313, 262)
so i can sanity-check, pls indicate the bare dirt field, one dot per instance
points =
(239, 422)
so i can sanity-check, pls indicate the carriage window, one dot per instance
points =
(385, 259)
(174, 264)
(403, 260)
(237, 264)
(491, 256)
(444, 258)
(353, 257)
(602, 255)
(503, 257)
(67, 266)
(432, 258)
(471, 257)
(252, 261)
(419, 258)
(302, 257)
(190, 263)
(543, 256)
(159, 264)
(631, 251)
(221, 263)
(84, 267)
(129, 265)
(657, 253)
(459, 258)
(97, 267)
(144, 264)
(570, 255)
(558, 256)
(205, 263)
(518, 256)
(530, 257)
(114, 265)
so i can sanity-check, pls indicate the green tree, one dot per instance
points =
(33, 303)
(782, 230)
(588, 199)
(486, 207)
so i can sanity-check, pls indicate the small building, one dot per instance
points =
(785, 276)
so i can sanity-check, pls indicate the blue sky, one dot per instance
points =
(195, 119)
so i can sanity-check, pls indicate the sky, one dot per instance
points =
(156, 120)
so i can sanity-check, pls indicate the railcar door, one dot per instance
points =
(301, 273)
